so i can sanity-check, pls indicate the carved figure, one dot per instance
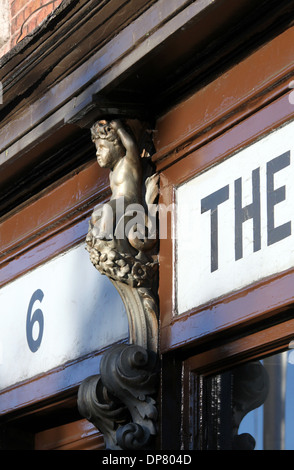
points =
(116, 150)
(120, 400)
(122, 232)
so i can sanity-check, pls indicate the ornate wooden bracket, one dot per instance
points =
(119, 400)
(122, 242)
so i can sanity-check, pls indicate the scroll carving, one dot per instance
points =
(119, 400)
(122, 242)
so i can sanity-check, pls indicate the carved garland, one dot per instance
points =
(120, 400)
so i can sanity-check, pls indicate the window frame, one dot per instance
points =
(218, 359)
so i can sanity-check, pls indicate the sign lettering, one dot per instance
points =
(241, 231)
(251, 211)
(59, 312)
(33, 319)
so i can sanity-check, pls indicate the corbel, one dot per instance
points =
(122, 242)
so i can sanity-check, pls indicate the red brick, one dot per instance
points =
(26, 14)
(31, 7)
(17, 21)
(17, 6)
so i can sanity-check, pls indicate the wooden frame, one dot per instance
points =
(43, 228)
(80, 435)
(224, 116)
(255, 346)
(240, 112)
(65, 205)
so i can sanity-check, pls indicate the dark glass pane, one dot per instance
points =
(252, 406)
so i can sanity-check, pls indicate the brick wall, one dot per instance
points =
(23, 17)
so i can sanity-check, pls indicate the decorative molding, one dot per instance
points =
(119, 400)
(123, 245)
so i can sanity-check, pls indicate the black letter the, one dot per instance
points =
(274, 196)
(252, 211)
(211, 203)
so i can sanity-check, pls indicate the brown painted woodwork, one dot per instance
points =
(50, 222)
(253, 346)
(216, 122)
(228, 112)
(79, 435)
(216, 360)
(163, 38)
(45, 226)
(83, 20)
(230, 99)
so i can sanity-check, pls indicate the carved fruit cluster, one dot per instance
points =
(122, 267)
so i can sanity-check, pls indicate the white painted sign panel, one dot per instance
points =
(234, 222)
(59, 312)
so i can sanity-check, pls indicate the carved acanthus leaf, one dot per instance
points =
(119, 401)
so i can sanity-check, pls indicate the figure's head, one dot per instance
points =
(109, 148)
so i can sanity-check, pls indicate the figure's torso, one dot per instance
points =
(125, 181)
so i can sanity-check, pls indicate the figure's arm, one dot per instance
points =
(127, 140)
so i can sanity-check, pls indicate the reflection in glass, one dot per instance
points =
(250, 389)
(251, 406)
(272, 425)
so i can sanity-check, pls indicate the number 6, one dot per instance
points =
(37, 317)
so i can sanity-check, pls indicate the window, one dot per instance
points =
(251, 406)
(272, 423)
(241, 393)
